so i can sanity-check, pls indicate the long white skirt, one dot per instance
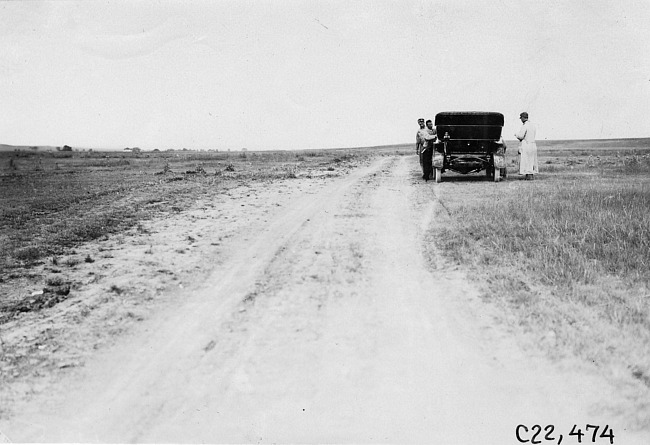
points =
(528, 158)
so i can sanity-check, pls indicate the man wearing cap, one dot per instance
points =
(528, 165)
(418, 140)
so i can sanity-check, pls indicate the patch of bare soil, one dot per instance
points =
(296, 311)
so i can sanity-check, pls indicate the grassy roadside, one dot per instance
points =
(568, 255)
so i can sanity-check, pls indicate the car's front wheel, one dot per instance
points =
(438, 174)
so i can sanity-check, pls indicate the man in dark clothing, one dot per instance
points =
(427, 150)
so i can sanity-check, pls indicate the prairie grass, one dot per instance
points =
(575, 232)
(568, 256)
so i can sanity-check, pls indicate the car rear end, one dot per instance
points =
(469, 142)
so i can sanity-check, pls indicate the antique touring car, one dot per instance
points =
(469, 142)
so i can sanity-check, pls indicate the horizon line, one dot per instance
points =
(32, 147)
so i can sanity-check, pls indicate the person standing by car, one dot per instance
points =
(428, 135)
(528, 165)
(418, 139)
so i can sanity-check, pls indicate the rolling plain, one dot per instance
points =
(323, 296)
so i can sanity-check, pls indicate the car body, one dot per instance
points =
(469, 142)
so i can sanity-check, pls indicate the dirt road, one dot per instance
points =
(332, 321)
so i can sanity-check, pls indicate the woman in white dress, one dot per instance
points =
(527, 148)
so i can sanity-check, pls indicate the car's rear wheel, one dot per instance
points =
(438, 174)
(497, 174)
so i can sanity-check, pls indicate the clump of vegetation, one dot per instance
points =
(71, 262)
(290, 172)
(29, 254)
(55, 281)
(637, 163)
(116, 289)
(56, 291)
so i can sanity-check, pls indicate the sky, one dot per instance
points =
(316, 74)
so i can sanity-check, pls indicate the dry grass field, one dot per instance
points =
(567, 256)
(564, 259)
